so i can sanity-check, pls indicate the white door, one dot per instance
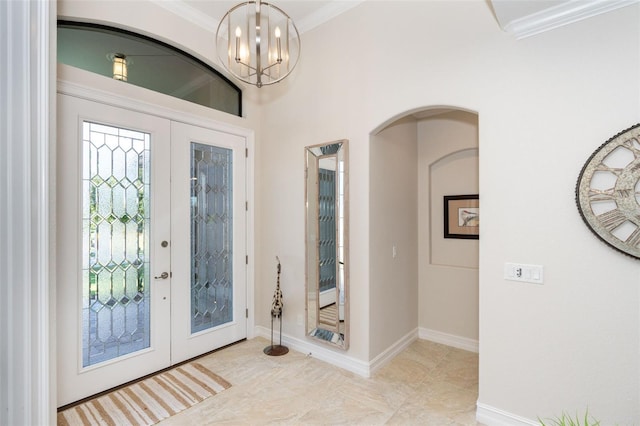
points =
(118, 299)
(208, 239)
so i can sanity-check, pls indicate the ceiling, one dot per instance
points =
(306, 14)
(521, 18)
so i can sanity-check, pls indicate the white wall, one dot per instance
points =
(545, 104)
(448, 165)
(393, 226)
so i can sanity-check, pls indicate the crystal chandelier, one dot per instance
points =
(258, 43)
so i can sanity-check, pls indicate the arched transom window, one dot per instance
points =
(147, 63)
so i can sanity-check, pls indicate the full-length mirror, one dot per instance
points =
(327, 248)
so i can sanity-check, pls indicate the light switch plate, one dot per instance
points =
(523, 273)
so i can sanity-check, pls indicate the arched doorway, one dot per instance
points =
(418, 275)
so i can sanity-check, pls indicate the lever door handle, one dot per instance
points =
(163, 276)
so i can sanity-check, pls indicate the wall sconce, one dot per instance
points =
(119, 66)
(258, 43)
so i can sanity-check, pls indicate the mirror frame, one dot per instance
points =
(338, 336)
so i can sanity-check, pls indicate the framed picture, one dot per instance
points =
(462, 216)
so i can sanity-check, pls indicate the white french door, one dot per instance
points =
(208, 235)
(151, 244)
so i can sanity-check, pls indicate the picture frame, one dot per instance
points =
(462, 216)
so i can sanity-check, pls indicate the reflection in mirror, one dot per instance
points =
(326, 243)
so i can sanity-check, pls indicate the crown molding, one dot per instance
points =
(561, 15)
(325, 13)
(189, 13)
(318, 17)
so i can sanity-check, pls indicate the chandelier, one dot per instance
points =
(258, 43)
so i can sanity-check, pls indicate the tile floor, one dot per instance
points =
(426, 384)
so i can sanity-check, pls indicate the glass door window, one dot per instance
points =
(211, 236)
(115, 233)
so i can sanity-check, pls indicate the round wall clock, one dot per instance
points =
(608, 192)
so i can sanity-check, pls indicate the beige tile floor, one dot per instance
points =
(426, 384)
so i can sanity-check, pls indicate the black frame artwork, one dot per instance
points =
(462, 216)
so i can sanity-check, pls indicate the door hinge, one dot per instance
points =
(246, 152)
(246, 313)
(247, 259)
(246, 206)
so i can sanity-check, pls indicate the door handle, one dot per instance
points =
(163, 276)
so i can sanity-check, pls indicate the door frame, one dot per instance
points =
(67, 87)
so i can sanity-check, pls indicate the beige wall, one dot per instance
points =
(448, 165)
(393, 227)
(545, 104)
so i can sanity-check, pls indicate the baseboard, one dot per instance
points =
(393, 350)
(492, 416)
(362, 368)
(485, 414)
(319, 351)
(449, 339)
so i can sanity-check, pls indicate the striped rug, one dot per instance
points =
(148, 401)
(329, 315)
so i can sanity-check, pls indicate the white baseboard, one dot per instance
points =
(319, 351)
(492, 416)
(485, 414)
(449, 339)
(363, 368)
(393, 350)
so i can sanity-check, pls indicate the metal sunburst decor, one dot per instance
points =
(276, 312)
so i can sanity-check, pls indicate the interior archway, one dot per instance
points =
(419, 278)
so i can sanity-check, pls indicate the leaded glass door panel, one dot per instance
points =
(116, 218)
(209, 238)
(112, 206)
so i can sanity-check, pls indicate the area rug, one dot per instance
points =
(148, 401)
(329, 314)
